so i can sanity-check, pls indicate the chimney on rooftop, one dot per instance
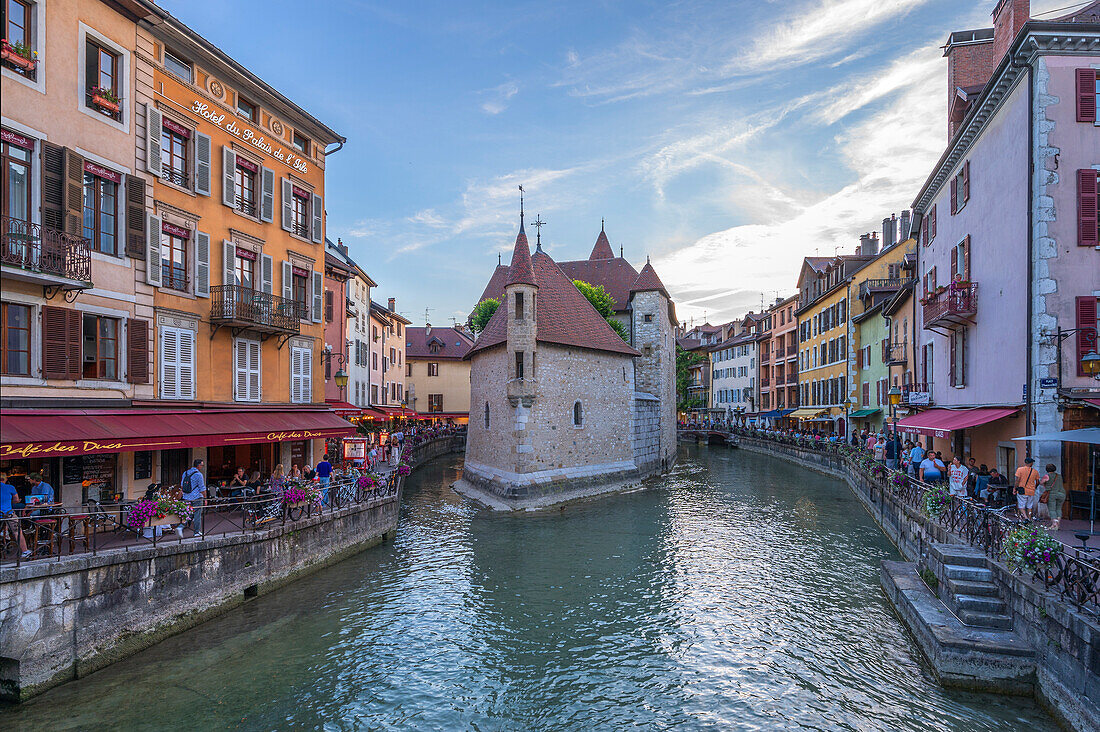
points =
(342, 246)
(393, 305)
(904, 232)
(868, 244)
(1008, 18)
(427, 330)
(970, 63)
(889, 232)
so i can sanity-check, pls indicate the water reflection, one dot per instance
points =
(739, 593)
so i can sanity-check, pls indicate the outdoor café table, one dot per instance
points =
(44, 520)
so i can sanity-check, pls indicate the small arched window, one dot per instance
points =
(486, 415)
(578, 414)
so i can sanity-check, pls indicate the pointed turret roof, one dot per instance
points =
(520, 273)
(648, 280)
(602, 249)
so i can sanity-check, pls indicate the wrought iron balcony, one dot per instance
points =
(955, 305)
(301, 228)
(246, 206)
(247, 309)
(894, 353)
(34, 253)
(792, 350)
(177, 177)
(872, 287)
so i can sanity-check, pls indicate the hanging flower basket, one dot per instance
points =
(1031, 548)
(403, 469)
(105, 99)
(301, 496)
(19, 55)
(936, 500)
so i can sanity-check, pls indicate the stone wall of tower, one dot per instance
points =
(655, 369)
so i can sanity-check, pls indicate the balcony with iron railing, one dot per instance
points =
(246, 206)
(950, 306)
(894, 353)
(878, 286)
(792, 350)
(245, 308)
(34, 253)
(175, 177)
(300, 228)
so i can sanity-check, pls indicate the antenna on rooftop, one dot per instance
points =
(426, 318)
(454, 322)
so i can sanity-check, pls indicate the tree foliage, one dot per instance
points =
(604, 304)
(684, 361)
(483, 313)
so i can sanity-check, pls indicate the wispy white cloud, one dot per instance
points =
(496, 100)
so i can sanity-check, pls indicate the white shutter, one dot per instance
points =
(267, 194)
(202, 164)
(154, 125)
(229, 169)
(288, 280)
(295, 372)
(307, 376)
(169, 363)
(287, 204)
(240, 371)
(186, 382)
(318, 289)
(229, 263)
(266, 274)
(152, 250)
(202, 264)
(253, 371)
(318, 220)
(300, 368)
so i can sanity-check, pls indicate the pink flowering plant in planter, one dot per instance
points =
(403, 469)
(898, 481)
(1031, 548)
(936, 500)
(306, 493)
(366, 482)
(147, 510)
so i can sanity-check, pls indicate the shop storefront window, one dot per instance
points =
(100, 347)
(101, 210)
(15, 354)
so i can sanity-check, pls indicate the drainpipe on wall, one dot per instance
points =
(1029, 413)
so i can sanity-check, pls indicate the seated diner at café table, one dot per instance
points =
(9, 500)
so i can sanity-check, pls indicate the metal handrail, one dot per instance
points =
(38, 248)
(238, 303)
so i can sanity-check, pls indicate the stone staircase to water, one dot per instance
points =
(963, 626)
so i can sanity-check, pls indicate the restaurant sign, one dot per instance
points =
(15, 451)
(249, 136)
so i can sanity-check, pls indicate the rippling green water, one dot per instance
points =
(739, 593)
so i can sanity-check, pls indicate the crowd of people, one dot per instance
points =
(1037, 494)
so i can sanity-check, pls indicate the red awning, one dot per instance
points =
(941, 422)
(1093, 402)
(344, 409)
(394, 411)
(40, 433)
(443, 415)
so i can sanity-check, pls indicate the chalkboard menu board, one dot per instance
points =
(99, 471)
(143, 465)
(72, 470)
(298, 453)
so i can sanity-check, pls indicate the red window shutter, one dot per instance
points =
(1086, 95)
(866, 394)
(966, 182)
(954, 261)
(966, 258)
(1086, 208)
(954, 194)
(1086, 329)
(328, 306)
(60, 343)
(924, 230)
(932, 226)
(137, 351)
(859, 359)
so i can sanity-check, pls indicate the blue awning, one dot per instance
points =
(777, 413)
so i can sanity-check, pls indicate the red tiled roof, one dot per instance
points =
(602, 249)
(520, 272)
(688, 344)
(614, 275)
(495, 288)
(451, 343)
(648, 280)
(564, 315)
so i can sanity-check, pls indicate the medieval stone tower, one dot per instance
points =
(652, 324)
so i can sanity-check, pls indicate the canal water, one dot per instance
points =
(739, 593)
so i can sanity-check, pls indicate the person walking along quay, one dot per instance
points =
(193, 484)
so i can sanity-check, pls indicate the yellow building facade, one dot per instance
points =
(437, 378)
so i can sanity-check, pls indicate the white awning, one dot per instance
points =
(1089, 435)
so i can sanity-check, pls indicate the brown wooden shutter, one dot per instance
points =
(60, 343)
(53, 186)
(951, 356)
(1086, 95)
(932, 225)
(954, 261)
(954, 194)
(74, 192)
(137, 351)
(924, 231)
(1086, 329)
(328, 306)
(135, 217)
(966, 258)
(1086, 208)
(966, 182)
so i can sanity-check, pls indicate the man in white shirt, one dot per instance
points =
(956, 478)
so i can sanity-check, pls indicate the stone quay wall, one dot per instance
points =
(61, 620)
(1066, 641)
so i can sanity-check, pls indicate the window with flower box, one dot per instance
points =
(20, 54)
(102, 80)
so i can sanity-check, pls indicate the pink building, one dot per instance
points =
(337, 274)
(1008, 257)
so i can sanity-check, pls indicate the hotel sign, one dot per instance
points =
(249, 136)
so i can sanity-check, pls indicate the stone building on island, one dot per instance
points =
(560, 405)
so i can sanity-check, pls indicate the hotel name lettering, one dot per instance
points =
(257, 141)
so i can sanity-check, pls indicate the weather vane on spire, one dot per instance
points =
(521, 207)
(538, 223)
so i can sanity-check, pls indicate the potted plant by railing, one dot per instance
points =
(936, 500)
(105, 99)
(19, 54)
(149, 513)
(302, 496)
(403, 470)
(1031, 548)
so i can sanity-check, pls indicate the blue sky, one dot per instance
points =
(725, 139)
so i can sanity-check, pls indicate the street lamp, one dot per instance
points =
(341, 379)
(895, 399)
(1090, 364)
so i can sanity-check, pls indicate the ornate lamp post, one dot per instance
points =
(895, 400)
(341, 379)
